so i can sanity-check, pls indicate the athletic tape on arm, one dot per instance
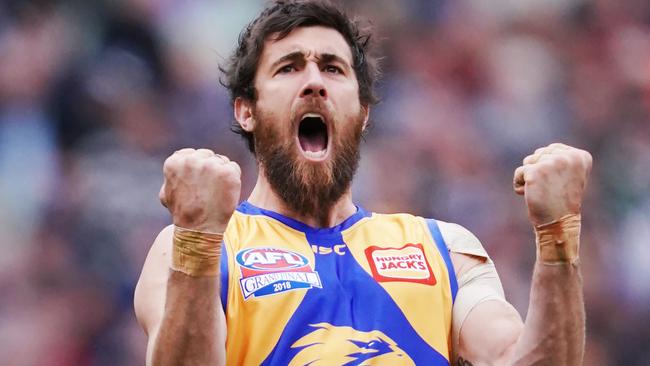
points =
(479, 284)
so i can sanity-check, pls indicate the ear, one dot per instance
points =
(366, 111)
(244, 114)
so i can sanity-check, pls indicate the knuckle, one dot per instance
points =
(531, 176)
(186, 150)
(206, 166)
(170, 160)
(211, 173)
(519, 170)
(189, 163)
(231, 172)
(561, 162)
(235, 167)
(528, 159)
(544, 168)
(227, 179)
(228, 172)
(170, 165)
(216, 169)
(233, 179)
(576, 157)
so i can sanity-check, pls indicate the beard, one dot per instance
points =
(308, 188)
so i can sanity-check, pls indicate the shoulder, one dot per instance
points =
(465, 249)
(462, 241)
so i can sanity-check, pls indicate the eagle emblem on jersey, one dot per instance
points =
(269, 271)
(346, 346)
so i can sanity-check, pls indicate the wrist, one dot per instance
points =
(196, 253)
(558, 242)
(209, 228)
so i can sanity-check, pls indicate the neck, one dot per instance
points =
(264, 196)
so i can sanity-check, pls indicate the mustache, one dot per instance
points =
(314, 105)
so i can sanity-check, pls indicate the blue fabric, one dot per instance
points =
(224, 276)
(444, 251)
(249, 209)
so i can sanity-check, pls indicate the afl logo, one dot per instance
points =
(270, 259)
(269, 271)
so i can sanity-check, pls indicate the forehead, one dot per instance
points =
(311, 40)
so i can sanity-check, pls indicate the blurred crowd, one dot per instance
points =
(95, 94)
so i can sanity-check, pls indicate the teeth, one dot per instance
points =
(312, 115)
(315, 154)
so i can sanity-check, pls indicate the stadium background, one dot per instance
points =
(95, 94)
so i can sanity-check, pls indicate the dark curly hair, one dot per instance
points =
(279, 19)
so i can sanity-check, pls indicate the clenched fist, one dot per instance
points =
(201, 189)
(553, 181)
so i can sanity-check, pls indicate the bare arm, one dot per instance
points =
(193, 329)
(181, 315)
(554, 330)
(553, 334)
(555, 326)
(177, 299)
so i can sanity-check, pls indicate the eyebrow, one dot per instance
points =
(299, 57)
(326, 58)
(293, 56)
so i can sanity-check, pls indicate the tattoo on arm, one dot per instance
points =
(463, 362)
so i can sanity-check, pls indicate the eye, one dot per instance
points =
(333, 69)
(286, 69)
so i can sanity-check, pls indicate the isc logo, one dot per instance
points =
(270, 259)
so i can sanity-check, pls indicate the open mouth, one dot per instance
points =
(312, 136)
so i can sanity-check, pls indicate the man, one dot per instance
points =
(299, 275)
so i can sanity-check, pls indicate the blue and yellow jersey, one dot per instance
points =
(374, 290)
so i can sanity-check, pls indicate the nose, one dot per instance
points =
(314, 85)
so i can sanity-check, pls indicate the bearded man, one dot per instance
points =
(299, 275)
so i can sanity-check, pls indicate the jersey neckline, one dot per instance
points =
(248, 208)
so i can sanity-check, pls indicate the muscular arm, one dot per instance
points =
(552, 181)
(181, 315)
(553, 334)
(177, 299)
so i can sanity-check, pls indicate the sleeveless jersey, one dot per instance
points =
(375, 290)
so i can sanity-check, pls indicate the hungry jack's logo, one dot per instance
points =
(404, 264)
(269, 271)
